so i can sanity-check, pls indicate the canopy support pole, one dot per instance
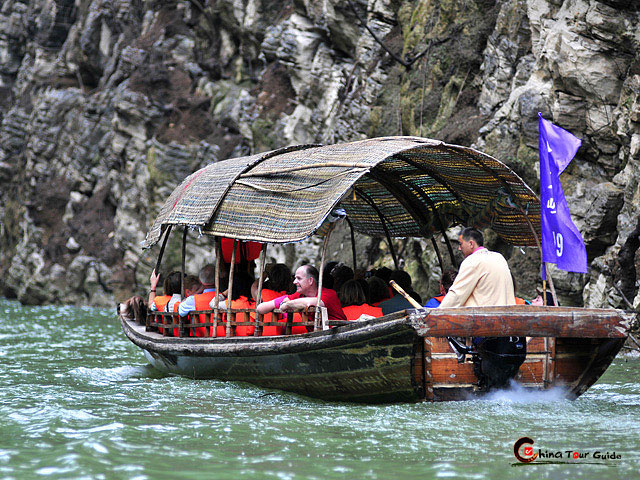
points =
(435, 247)
(353, 243)
(320, 275)
(164, 244)
(216, 315)
(184, 256)
(263, 257)
(230, 287)
(450, 248)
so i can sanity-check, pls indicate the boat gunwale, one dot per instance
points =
(417, 319)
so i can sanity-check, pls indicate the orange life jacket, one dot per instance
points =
(241, 330)
(202, 303)
(353, 312)
(267, 296)
(160, 302)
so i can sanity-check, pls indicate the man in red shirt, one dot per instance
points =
(306, 282)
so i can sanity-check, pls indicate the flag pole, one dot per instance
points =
(544, 264)
(551, 287)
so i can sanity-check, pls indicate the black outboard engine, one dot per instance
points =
(496, 360)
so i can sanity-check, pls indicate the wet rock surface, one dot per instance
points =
(105, 106)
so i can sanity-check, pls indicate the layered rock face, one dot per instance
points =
(106, 105)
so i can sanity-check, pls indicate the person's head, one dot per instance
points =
(278, 278)
(403, 279)
(192, 285)
(539, 300)
(378, 290)
(306, 280)
(384, 273)
(341, 274)
(351, 293)
(470, 240)
(448, 276)
(207, 275)
(172, 284)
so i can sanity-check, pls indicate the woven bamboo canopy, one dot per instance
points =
(397, 186)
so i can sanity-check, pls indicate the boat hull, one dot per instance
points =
(391, 359)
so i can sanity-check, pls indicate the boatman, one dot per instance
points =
(306, 283)
(484, 278)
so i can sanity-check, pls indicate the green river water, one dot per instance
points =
(78, 400)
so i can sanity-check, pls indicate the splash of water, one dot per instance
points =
(516, 393)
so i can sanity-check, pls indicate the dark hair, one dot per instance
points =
(384, 273)
(279, 278)
(351, 293)
(416, 296)
(378, 290)
(403, 279)
(173, 283)
(365, 286)
(241, 285)
(447, 279)
(327, 279)
(471, 233)
(341, 274)
(207, 274)
(191, 282)
(312, 271)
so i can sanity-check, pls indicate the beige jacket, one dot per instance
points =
(484, 279)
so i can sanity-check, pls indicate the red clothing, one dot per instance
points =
(353, 312)
(175, 310)
(202, 303)
(251, 250)
(242, 330)
(331, 302)
(520, 301)
(267, 296)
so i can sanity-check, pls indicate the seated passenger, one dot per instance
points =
(341, 274)
(446, 280)
(354, 302)
(277, 283)
(539, 300)
(200, 301)
(241, 299)
(306, 283)
(171, 288)
(378, 291)
(398, 302)
(192, 286)
(384, 273)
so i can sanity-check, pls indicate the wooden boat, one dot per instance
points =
(391, 187)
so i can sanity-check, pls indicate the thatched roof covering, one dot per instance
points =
(407, 186)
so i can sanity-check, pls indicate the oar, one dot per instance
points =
(407, 297)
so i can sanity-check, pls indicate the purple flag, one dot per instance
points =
(562, 243)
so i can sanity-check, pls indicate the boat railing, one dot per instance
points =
(205, 323)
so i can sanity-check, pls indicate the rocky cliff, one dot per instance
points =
(105, 105)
